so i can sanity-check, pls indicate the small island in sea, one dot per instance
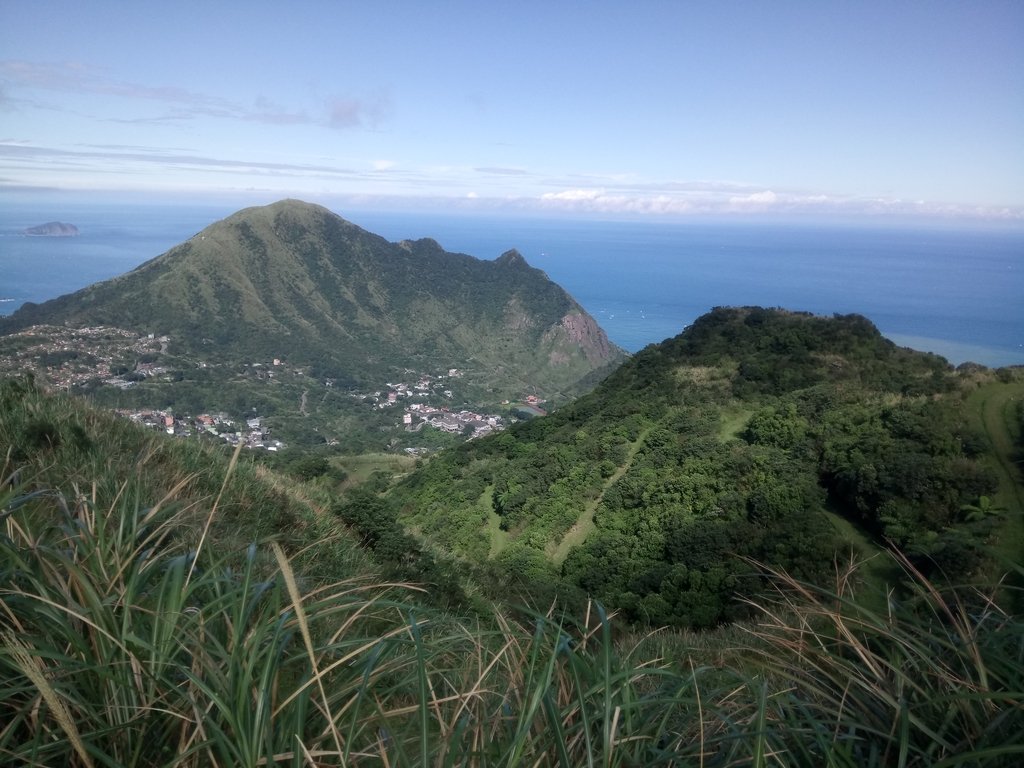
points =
(52, 229)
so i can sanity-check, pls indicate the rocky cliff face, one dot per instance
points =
(584, 331)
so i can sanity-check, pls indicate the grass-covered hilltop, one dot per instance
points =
(775, 539)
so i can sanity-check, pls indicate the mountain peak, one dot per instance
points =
(511, 258)
(290, 204)
(288, 207)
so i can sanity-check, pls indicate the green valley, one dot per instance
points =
(167, 603)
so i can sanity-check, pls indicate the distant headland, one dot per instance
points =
(52, 229)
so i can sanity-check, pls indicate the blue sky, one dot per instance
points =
(661, 108)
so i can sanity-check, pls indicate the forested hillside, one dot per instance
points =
(163, 603)
(755, 436)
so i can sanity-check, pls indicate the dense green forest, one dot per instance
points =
(756, 436)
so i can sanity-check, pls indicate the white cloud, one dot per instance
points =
(24, 164)
(710, 199)
(127, 160)
(754, 199)
(346, 112)
(498, 171)
(574, 195)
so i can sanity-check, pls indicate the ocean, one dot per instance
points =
(954, 291)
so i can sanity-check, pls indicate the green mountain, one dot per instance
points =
(754, 436)
(295, 282)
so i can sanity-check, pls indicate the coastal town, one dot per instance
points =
(75, 358)
(84, 359)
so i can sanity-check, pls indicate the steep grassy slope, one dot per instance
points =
(998, 407)
(57, 446)
(294, 281)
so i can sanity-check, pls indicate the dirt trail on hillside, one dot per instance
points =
(997, 404)
(585, 522)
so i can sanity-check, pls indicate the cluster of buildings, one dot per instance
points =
(253, 435)
(130, 379)
(69, 357)
(417, 412)
(425, 386)
(418, 415)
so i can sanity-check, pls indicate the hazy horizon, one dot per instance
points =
(53, 203)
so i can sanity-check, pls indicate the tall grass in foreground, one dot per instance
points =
(120, 647)
(936, 680)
